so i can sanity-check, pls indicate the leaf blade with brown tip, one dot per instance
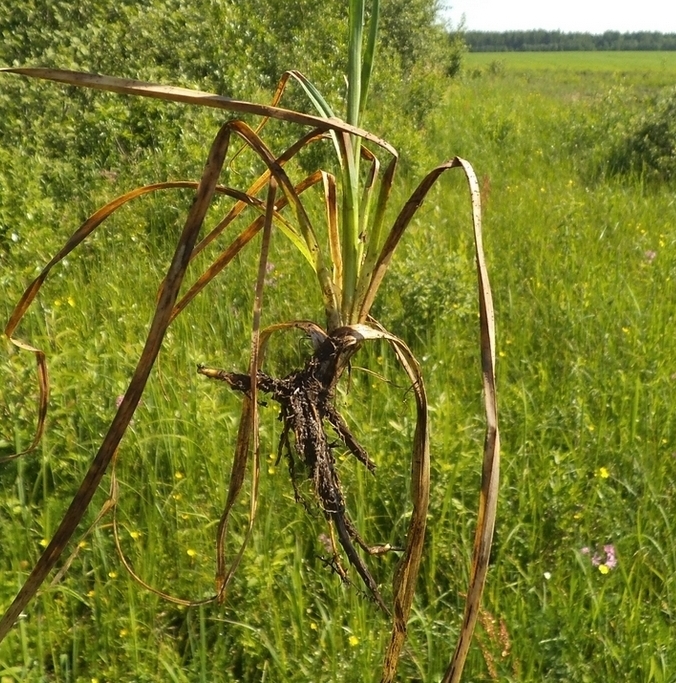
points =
(128, 86)
(125, 412)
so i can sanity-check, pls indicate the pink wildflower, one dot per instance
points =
(611, 559)
(604, 559)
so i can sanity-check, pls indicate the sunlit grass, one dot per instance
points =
(611, 61)
(584, 290)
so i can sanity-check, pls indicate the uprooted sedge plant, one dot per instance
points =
(350, 258)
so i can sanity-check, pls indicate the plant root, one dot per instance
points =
(307, 401)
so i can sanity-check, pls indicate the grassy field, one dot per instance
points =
(623, 62)
(582, 585)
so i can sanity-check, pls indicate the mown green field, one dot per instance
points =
(583, 265)
(664, 62)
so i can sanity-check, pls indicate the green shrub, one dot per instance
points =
(648, 147)
(221, 46)
(426, 289)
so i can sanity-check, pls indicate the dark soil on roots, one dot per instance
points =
(307, 408)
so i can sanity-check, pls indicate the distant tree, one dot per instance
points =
(541, 41)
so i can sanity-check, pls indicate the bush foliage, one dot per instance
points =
(647, 147)
(231, 47)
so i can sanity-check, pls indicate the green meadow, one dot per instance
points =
(622, 62)
(581, 250)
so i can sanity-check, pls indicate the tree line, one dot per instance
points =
(552, 41)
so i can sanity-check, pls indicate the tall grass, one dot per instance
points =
(584, 298)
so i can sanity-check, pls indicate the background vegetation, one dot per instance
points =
(580, 234)
(656, 68)
(554, 41)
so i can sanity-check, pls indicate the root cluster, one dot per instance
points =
(307, 406)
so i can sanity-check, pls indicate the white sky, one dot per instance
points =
(590, 16)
